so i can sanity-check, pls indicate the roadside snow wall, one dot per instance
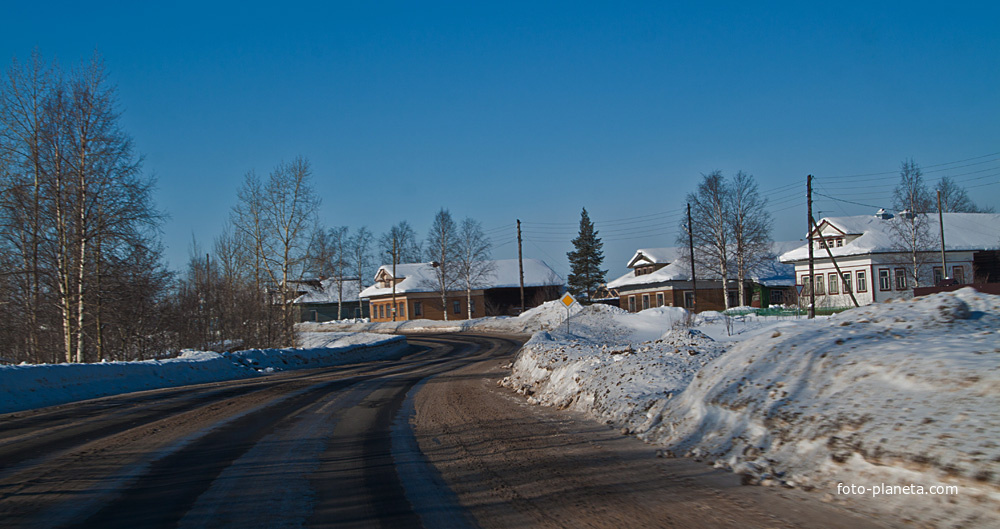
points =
(25, 387)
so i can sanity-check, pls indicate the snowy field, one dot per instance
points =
(904, 396)
(24, 387)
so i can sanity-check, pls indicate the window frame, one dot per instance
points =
(833, 286)
(688, 299)
(900, 280)
(418, 309)
(631, 303)
(818, 285)
(937, 275)
(660, 299)
(456, 306)
(862, 281)
(956, 271)
(888, 280)
(645, 301)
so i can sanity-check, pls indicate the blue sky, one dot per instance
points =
(534, 110)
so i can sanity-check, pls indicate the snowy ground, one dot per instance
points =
(25, 387)
(899, 394)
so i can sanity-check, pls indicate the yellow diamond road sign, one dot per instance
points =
(568, 300)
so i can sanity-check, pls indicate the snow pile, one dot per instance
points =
(25, 387)
(905, 393)
(614, 365)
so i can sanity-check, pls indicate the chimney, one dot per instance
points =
(883, 214)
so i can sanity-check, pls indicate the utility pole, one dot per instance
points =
(694, 279)
(394, 259)
(944, 261)
(812, 280)
(520, 262)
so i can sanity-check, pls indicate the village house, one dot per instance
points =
(317, 299)
(417, 295)
(875, 265)
(659, 277)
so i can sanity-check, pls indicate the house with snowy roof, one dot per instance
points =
(660, 277)
(417, 295)
(876, 256)
(320, 299)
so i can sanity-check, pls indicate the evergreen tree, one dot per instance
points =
(585, 261)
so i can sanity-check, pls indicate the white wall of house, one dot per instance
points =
(876, 277)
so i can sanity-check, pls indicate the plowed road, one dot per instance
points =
(429, 441)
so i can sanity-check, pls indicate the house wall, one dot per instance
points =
(709, 295)
(430, 305)
(872, 266)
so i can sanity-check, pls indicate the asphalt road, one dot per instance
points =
(312, 448)
(427, 441)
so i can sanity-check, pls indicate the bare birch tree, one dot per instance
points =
(751, 227)
(442, 248)
(408, 249)
(711, 215)
(911, 226)
(472, 261)
(955, 199)
(359, 246)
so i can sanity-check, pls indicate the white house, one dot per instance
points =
(875, 264)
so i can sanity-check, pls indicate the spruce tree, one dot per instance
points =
(585, 261)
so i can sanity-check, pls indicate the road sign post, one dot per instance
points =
(568, 300)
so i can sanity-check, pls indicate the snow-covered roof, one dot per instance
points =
(420, 277)
(654, 256)
(770, 273)
(962, 232)
(327, 291)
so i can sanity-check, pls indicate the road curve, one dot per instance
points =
(426, 441)
(311, 448)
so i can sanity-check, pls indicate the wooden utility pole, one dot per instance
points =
(520, 262)
(694, 279)
(944, 261)
(812, 280)
(394, 259)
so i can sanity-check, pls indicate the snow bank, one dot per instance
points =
(895, 394)
(25, 387)
(614, 365)
(904, 393)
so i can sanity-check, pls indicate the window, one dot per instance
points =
(958, 274)
(883, 279)
(645, 301)
(401, 309)
(689, 300)
(847, 282)
(900, 279)
(938, 277)
(862, 281)
(840, 242)
(834, 284)
(381, 311)
(472, 306)
(659, 299)
(734, 298)
(418, 309)
(819, 285)
(631, 303)
(456, 306)
(777, 297)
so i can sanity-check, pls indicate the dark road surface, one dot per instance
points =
(312, 448)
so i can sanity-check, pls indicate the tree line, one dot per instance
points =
(82, 274)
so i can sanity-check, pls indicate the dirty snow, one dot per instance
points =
(896, 394)
(25, 386)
